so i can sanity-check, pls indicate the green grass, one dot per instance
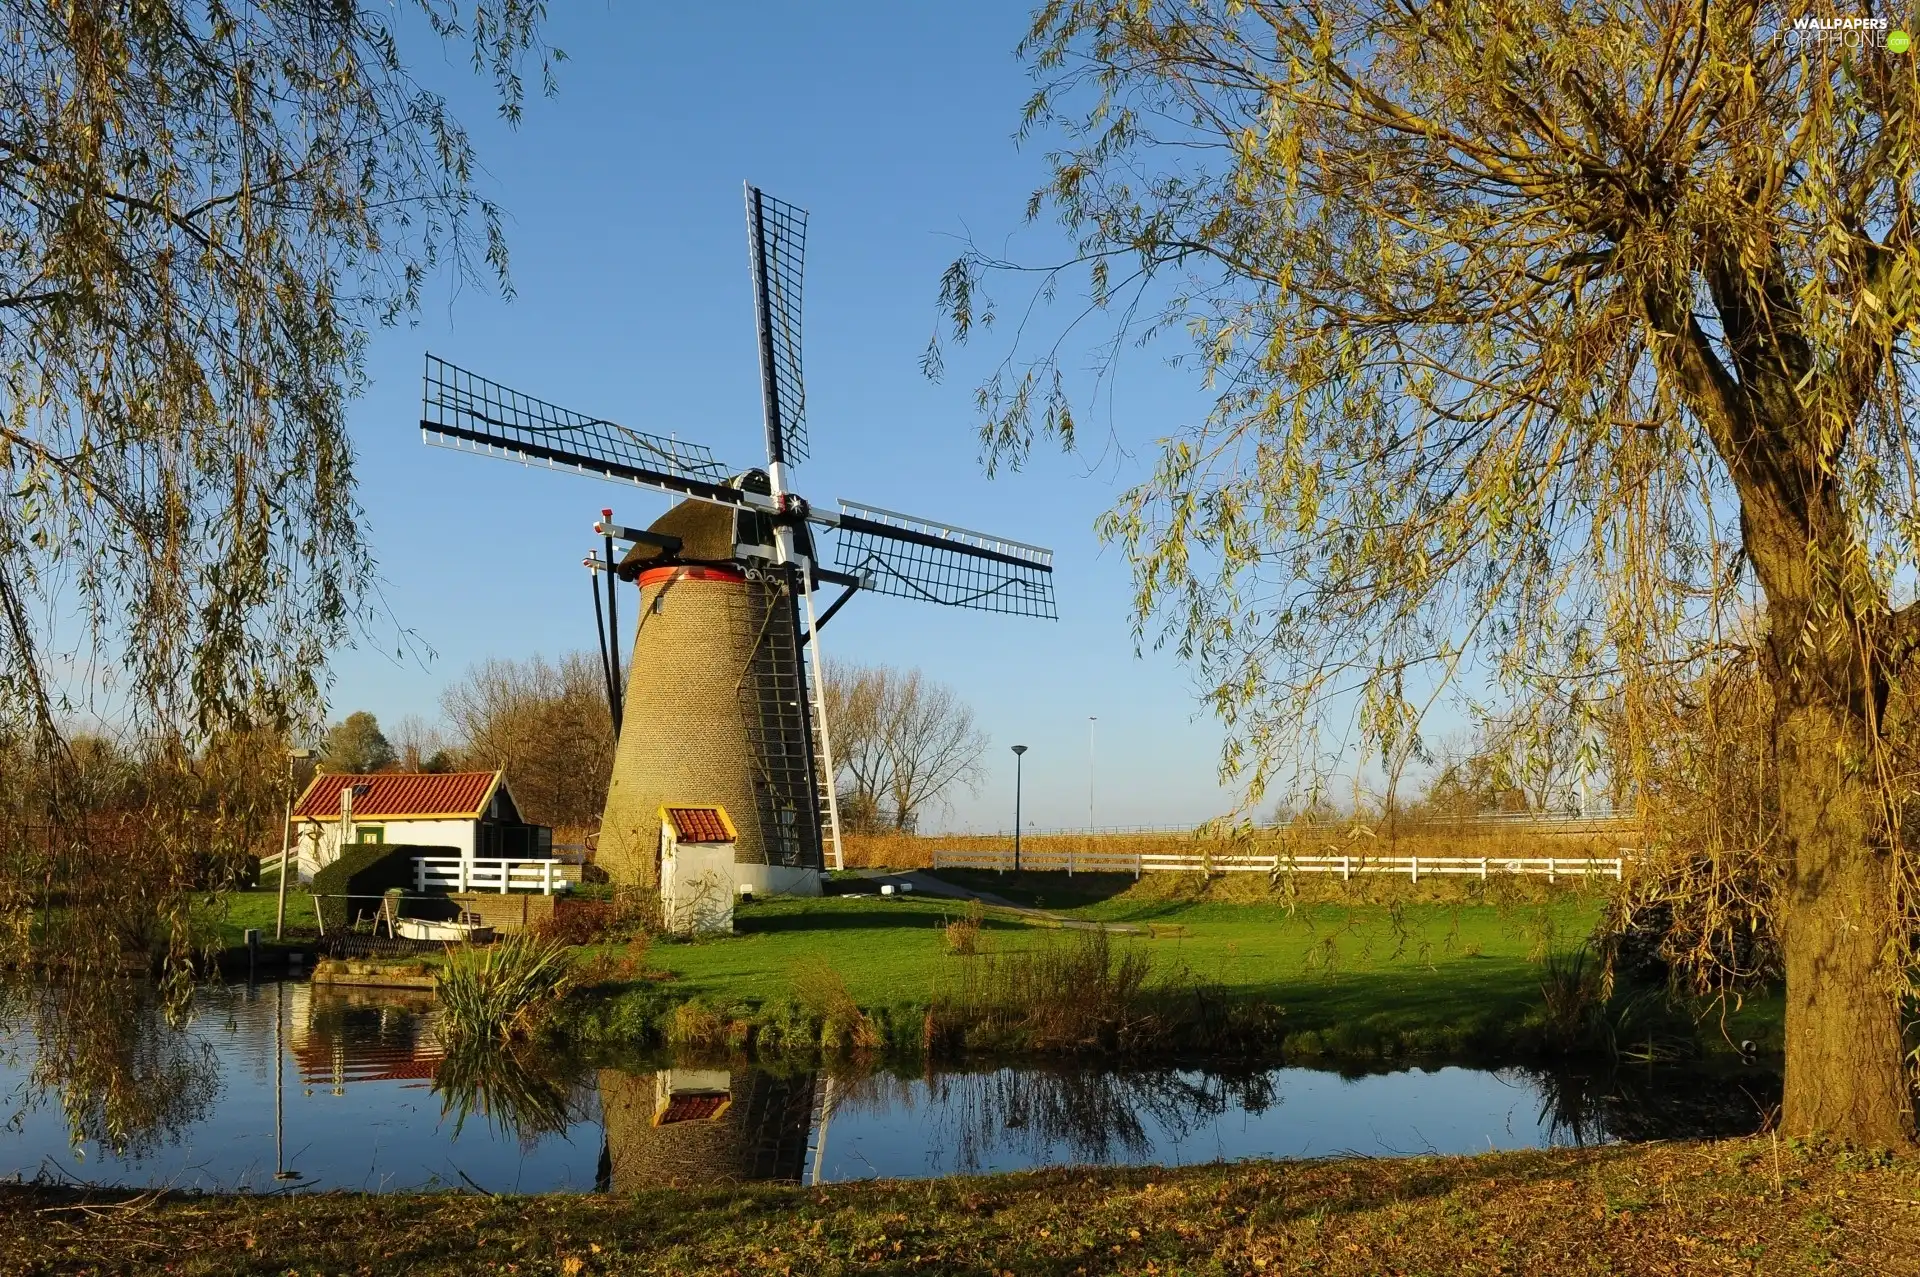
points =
(1358, 981)
(1740, 1206)
(236, 911)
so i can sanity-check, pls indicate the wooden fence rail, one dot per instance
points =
(455, 873)
(1137, 863)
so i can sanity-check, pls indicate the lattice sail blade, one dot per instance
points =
(777, 249)
(471, 413)
(915, 558)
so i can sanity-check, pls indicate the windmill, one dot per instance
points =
(723, 701)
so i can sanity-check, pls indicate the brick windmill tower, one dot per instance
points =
(722, 703)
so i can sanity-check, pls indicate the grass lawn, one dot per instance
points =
(236, 911)
(1360, 980)
(1740, 1206)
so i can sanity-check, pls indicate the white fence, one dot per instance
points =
(453, 873)
(1137, 863)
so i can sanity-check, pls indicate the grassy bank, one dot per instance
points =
(1362, 978)
(1736, 1207)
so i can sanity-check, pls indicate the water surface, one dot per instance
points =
(279, 1087)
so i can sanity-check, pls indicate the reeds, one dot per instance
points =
(502, 991)
(963, 933)
(1583, 1011)
(1087, 996)
(1407, 838)
(824, 993)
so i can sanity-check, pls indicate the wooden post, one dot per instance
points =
(1414, 862)
(464, 864)
(1139, 859)
(1483, 869)
(1069, 860)
(546, 885)
(419, 875)
(1346, 869)
(1550, 868)
(506, 872)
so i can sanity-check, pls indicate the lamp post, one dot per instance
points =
(1091, 720)
(286, 845)
(1018, 750)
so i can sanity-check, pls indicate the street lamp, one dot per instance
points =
(1091, 720)
(1018, 750)
(286, 844)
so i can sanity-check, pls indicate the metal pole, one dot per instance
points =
(1019, 759)
(613, 629)
(286, 844)
(600, 627)
(1091, 720)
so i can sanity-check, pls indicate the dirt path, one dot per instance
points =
(925, 884)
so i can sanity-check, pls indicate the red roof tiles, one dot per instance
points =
(700, 824)
(393, 795)
(701, 1106)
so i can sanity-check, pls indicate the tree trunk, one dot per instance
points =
(1845, 1070)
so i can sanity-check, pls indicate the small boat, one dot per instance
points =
(455, 932)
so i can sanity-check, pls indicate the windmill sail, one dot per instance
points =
(914, 558)
(468, 412)
(777, 247)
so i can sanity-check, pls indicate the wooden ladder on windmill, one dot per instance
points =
(792, 772)
(826, 793)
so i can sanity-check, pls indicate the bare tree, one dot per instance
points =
(420, 745)
(853, 698)
(547, 725)
(901, 741)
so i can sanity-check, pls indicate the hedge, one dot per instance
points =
(363, 873)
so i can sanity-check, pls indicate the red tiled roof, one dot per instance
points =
(701, 1106)
(699, 824)
(460, 795)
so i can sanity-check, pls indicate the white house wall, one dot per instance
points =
(318, 845)
(457, 834)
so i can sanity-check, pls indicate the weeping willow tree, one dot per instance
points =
(1549, 339)
(203, 209)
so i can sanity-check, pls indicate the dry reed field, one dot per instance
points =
(1490, 840)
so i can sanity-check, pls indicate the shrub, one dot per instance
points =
(577, 922)
(501, 991)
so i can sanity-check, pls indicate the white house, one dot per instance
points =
(470, 813)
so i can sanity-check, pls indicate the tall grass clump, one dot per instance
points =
(1086, 996)
(824, 994)
(502, 991)
(1584, 1011)
(963, 933)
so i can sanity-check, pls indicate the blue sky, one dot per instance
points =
(892, 124)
